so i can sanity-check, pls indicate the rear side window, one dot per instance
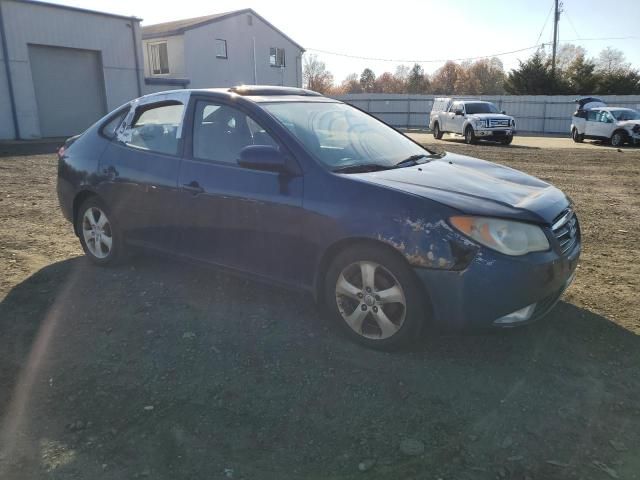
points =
(109, 129)
(156, 128)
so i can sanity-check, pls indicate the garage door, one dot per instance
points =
(69, 89)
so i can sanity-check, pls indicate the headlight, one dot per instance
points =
(480, 123)
(505, 236)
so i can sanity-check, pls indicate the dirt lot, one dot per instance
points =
(163, 370)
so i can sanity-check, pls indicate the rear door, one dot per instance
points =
(449, 117)
(457, 120)
(233, 216)
(140, 170)
(592, 124)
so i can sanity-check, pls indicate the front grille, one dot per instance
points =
(566, 230)
(497, 122)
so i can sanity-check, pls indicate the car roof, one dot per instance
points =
(253, 93)
(608, 109)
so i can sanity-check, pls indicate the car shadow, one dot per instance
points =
(490, 143)
(163, 369)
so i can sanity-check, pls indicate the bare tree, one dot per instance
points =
(351, 84)
(611, 60)
(316, 76)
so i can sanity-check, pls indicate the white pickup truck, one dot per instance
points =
(472, 118)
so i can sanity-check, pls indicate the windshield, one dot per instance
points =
(481, 107)
(340, 135)
(622, 115)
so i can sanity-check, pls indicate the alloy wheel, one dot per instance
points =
(97, 232)
(370, 300)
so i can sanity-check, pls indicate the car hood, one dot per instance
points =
(497, 116)
(629, 123)
(476, 187)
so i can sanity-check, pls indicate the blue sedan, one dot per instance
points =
(288, 186)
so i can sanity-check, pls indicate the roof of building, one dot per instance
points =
(178, 27)
(78, 9)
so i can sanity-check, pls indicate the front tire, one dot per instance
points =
(99, 235)
(374, 297)
(577, 137)
(469, 135)
(437, 133)
(507, 140)
(618, 139)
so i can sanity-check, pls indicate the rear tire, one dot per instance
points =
(618, 139)
(100, 237)
(577, 137)
(437, 133)
(469, 135)
(374, 297)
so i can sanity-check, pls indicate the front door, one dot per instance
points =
(141, 166)
(233, 216)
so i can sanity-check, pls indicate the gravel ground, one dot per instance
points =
(160, 369)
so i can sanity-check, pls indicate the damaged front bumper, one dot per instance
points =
(499, 291)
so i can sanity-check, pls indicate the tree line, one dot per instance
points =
(607, 74)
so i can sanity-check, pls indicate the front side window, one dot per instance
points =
(158, 58)
(220, 132)
(276, 57)
(341, 136)
(623, 115)
(221, 48)
(155, 128)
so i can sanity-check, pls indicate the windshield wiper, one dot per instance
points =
(413, 160)
(361, 167)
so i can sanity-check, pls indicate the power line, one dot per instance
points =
(544, 25)
(571, 23)
(397, 60)
(373, 59)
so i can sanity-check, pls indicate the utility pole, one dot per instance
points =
(556, 19)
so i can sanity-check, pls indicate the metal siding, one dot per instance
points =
(6, 119)
(69, 89)
(32, 23)
(533, 113)
(205, 70)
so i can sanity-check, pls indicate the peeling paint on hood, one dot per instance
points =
(475, 186)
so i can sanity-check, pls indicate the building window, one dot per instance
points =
(221, 48)
(276, 57)
(158, 58)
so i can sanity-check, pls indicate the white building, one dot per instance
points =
(62, 68)
(226, 49)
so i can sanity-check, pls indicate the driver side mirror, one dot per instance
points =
(459, 112)
(504, 112)
(263, 157)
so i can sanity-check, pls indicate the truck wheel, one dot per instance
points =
(577, 137)
(507, 140)
(469, 135)
(437, 133)
(618, 139)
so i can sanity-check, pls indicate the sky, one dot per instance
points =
(412, 30)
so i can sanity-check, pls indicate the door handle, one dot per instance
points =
(194, 188)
